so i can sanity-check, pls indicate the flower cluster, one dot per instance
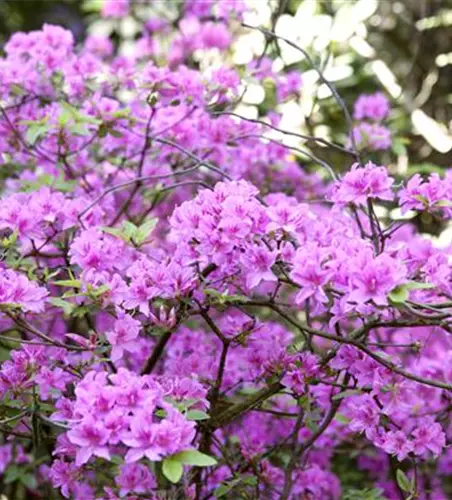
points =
(189, 309)
(371, 134)
(433, 194)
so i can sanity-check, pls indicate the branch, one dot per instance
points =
(331, 87)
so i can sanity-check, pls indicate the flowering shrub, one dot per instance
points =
(186, 309)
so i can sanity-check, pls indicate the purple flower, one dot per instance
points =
(289, 85)
(63, 475)
(372, 136)
(311, 273)
(91, 436)
(373, 278)
(257, 262)
(373, 107)
(299, 373)
(123, 336)
(397, 443)
(361, 183)
(428, 436)
(17, 289)
(365, 414)
(6, 456)
(136, 478)
(115, 8)
(431, 194)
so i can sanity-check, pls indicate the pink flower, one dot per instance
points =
(17, 289)
(63, 475)
(258, 261)
(373, 278)
(91, 436)
(365, 414)
(311, 273)
(428, 436)
(433, 193)
(374, 107)
(115, 8)
(298, 374)
(397, 443)
(124, 336)
(361, 183)
(6, 456)
(371, 136)
(136, 478)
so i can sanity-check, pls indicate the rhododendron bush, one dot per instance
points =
(192, 308)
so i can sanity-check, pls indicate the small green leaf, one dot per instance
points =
(63, 304)
(117, 459)
(13, 473)
(196, 415)
(143, 232)
(443, 203)
(79, 129)
(28, 480)
(194, 457)
(346, 394)
(422, 199)
(115, 133)
(341, 418)
(113, 231)
(35, 132)
(414, 285)
(129, 230)
(222, 490)
(403, 481)
(399, 294)
(69, 283)
(172, 470)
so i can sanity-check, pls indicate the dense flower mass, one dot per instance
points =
(188, 309)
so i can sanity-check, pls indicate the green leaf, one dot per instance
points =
(63, 304)
(77, 115)
(196, 415)
(194, 457)
(143, 232)
(122, 113)
(341, 418)
(443, 203)
(172, 470)
(113, 231)
(404, 483)
(69, 283)
(17, 89)
(92, 6)
(226, 487)
(365, 494)
(346, 394)
(117, 459)
(414, 285)
(79, 129)
(422, 199)
(222, 490)
(129, 230)
(13, 473)
(35, 132)
(115, 133)
(399, 294)
(28, 480)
